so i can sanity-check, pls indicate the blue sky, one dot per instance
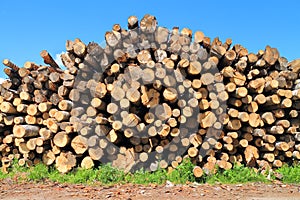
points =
(27, 27)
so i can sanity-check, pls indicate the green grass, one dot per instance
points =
(290, 174)
(107, 175)
(239, 174)
(38, 172)
(183, 173)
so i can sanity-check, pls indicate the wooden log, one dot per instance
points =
(52, 125)
(269, 138)
(243, 116)
(65, 105)
(148, 24)
(207, 119)
(132, 22)
(282, 146)
(32, 110)
(254, 120)
(260, 99)
(133, 95)
(275, 129)
(44, 106)
(96, 153)
(243, 143)
(11, 65)
(62, 116)
(21, 131)
(228, 58)
(31, 144)
(251, 154)
(234, 125)
(79, 48)
(61, 139)
(268, 117)
(197, 171)
(79, 144)
(8, 120)
(271, 55)
(48, 158)
(284, 123)
(240, 50)
(7, 107)
(207, 78)
(269, 157)
(65, 162)
(87, 163)
(49, 60)
(8, 139)
(252, 107)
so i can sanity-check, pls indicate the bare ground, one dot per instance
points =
(10, 190)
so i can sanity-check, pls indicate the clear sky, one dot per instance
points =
(27, 27)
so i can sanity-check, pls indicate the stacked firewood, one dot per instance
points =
(148, 99)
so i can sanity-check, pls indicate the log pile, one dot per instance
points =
(150, 98)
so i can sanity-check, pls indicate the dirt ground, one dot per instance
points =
(55, 191)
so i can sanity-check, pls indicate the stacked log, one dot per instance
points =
(150, 98)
